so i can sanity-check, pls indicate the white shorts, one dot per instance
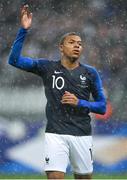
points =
(62, 149)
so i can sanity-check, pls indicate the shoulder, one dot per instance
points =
(89, 68)
(46, 64)
(44, 61)
(92, 72)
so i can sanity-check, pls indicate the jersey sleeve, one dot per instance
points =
(36, 66)
(99, 103)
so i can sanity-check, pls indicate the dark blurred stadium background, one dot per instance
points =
(103, 27)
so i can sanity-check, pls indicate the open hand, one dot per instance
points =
(26, 17)
(69, 98)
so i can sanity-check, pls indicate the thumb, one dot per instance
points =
(31, 15)
(67, 92)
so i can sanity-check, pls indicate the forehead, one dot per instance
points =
(73, 38)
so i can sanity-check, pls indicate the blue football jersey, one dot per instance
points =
(81, 81)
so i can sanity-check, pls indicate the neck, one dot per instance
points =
(69, 64)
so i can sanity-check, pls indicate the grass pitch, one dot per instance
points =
(96, 176)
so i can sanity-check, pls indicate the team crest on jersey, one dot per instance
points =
(82, 77)
(83, 81)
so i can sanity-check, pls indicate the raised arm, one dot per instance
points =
(15, 58)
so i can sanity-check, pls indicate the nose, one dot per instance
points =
(76, 45)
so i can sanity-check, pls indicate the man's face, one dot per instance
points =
(71, 47)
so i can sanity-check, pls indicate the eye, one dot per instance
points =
(80, 44)
(71, 42)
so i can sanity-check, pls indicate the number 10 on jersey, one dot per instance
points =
(58, 82)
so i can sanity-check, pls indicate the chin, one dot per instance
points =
(74, 59)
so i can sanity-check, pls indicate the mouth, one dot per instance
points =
(75, 51)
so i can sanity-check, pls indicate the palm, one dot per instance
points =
(26, 21)
(26, 17)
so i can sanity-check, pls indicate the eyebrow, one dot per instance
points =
(74, 40)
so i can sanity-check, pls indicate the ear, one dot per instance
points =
(61, 48)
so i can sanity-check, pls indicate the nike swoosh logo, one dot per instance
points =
(58, 72)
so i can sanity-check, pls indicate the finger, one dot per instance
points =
(23, 12)
(67, 99)
(68, 96)
(67, 102)
(30, 15)
(25, 9)
(67, 92)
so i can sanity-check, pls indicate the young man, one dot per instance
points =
(68, 85)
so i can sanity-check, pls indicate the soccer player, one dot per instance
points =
(68, 85)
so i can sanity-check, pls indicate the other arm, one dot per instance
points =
(99, 104)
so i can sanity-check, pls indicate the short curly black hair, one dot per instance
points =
(66, 35)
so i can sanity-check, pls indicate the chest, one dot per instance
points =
(61, 79)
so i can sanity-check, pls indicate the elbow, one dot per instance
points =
(103, 108)
(12, 60)
(103, 112)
